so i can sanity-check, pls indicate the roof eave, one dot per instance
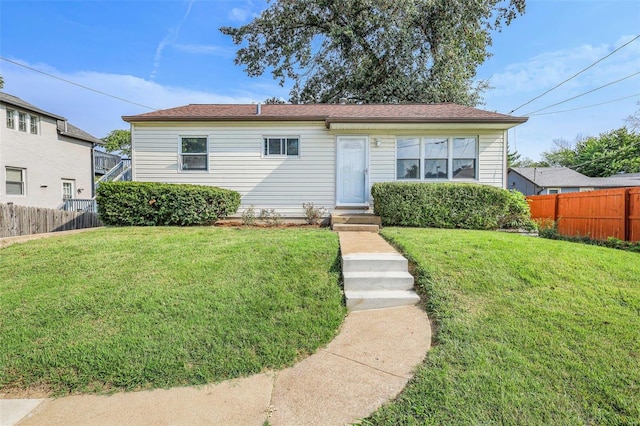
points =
(76, 137)
(512, 121)
(33, 109)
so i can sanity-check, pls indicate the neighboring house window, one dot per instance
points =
(11, 120)
(68, 186)
(553, 190)
(194, 153)
(282, 146)
(15, 181)
(33, 124)
(22, 121)
(445, 158)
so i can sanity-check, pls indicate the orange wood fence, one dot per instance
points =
(597, 214)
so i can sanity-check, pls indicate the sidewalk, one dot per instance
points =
(366, 365)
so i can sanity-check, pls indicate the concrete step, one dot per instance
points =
(358, 219)
(344, 227)
(393, 280)
(362, 300)
(374, 262)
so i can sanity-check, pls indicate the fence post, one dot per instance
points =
(555, 207)
(625, 214)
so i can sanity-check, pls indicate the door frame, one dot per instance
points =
(366, 170)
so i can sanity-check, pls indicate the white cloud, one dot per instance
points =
(204, 49)
(239, 15)
(99, 114)
(169, 39)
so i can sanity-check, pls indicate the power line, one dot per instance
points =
(582, 94)
(575, 75)
(77, 84)
(587, 106)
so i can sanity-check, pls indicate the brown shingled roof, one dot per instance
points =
(409, 113)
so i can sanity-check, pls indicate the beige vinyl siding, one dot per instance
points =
(236, 162)
(491, 159)
(283, 184)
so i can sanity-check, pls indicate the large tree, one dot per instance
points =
(118, 141)
(374, 50)
(616, 151)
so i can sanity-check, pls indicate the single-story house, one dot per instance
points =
(560, 180)
(44, 159)
(281, 156)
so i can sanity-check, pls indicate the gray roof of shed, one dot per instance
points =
(563, 177)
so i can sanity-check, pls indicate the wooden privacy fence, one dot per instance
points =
(596, 214)
(20, 220)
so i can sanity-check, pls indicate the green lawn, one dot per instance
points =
(529, 331)
(135, 308)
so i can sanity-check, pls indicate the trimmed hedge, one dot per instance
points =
(450, 205)
(156, 204)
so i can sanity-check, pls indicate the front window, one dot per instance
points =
(443, 158)
(11, 120)
(22, 121)
(408, 159)
(33, 123)
(464, 158)
(194, 154)
(282, 146)
(15, 181)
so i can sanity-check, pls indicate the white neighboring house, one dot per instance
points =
(43, 158)
(281, 156)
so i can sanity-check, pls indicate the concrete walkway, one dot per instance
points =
(366, 365)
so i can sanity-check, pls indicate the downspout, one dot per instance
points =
(93, 170)
(505, 166)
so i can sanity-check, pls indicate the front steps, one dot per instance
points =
(362, 222)
(375, 275)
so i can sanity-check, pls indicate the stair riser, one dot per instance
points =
(369, 283)
(361, 220)
(344, 227)
(377, 265)
(361, 304)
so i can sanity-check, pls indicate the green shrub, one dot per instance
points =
(448, 205)
(156, 204)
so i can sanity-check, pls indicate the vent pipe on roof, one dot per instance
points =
(343, 101)
(258, 108)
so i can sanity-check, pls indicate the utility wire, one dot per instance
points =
(586, 106)
(77, 84)
(582, 94)
(575, 75)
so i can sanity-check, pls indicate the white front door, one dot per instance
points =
(351, 176)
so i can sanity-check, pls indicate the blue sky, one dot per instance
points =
(163, 54)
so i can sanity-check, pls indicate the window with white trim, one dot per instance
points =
(437, 158)
(22, 121)
(68, 186)
(15, 178)
(11, 118)
(194, 153)
(284, 146)
(33, 124)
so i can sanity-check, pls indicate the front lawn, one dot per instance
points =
(135, 308)
(529, 331)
